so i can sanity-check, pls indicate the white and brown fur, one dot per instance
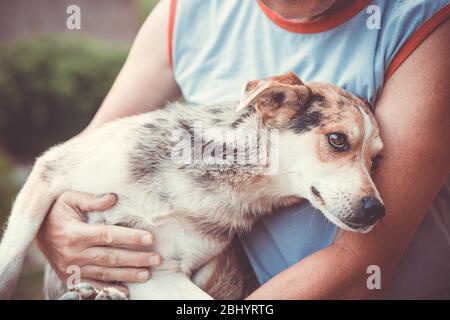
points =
(196, 212)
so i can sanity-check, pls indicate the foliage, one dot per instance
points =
(49, 90)
(8, 188)
(145, 7)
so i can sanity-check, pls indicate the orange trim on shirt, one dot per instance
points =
(328, 23)
(172, 10)
(416, 39)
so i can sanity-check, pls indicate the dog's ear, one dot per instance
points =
(288, 78)
(276, 99)
(255, 87)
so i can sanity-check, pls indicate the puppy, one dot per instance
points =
(307, 141)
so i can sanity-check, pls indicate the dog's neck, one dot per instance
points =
(238, 193)
(241, 152)
(257, 186)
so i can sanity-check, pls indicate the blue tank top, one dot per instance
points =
(216, 46)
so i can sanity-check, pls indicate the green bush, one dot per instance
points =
(8, 189)
(50, 89)
(145, 7)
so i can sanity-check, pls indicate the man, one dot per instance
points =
(214, 47)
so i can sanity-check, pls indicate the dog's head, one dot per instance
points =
(329, 144)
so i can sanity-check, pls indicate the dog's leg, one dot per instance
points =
(29, 210)
(228, 276)
(167, 286)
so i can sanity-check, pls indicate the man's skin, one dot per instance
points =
(413, 114)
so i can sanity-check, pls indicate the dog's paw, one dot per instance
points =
(86, 291)
(81, 291)
(71, 296)
(110, 294)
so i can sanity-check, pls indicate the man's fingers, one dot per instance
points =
(111, 257)
(99, 285)
(115, 274)
(118, 236)
(87, 202)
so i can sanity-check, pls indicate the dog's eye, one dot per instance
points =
(338, 141)
(375, 162)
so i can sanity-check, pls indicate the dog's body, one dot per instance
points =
(178, 203)
(195, 210)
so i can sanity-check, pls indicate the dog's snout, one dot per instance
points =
(371, 210)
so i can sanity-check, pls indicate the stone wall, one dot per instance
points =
(111, 20)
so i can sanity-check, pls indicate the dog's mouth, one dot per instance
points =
(363, 228)
(346, 225)
(316, 193)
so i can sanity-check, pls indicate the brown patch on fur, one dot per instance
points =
(338, 97)
(289, 79)
(276, 99)
(277, 105)
(272, 111)
(342, 113)
(233, 277)
(325, 151)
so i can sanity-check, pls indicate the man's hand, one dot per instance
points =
(67, 240)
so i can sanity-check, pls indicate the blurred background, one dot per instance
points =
(52, 80)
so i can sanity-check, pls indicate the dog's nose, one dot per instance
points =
(372, 210)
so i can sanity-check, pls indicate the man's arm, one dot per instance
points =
(413, 112)
(146, 80)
